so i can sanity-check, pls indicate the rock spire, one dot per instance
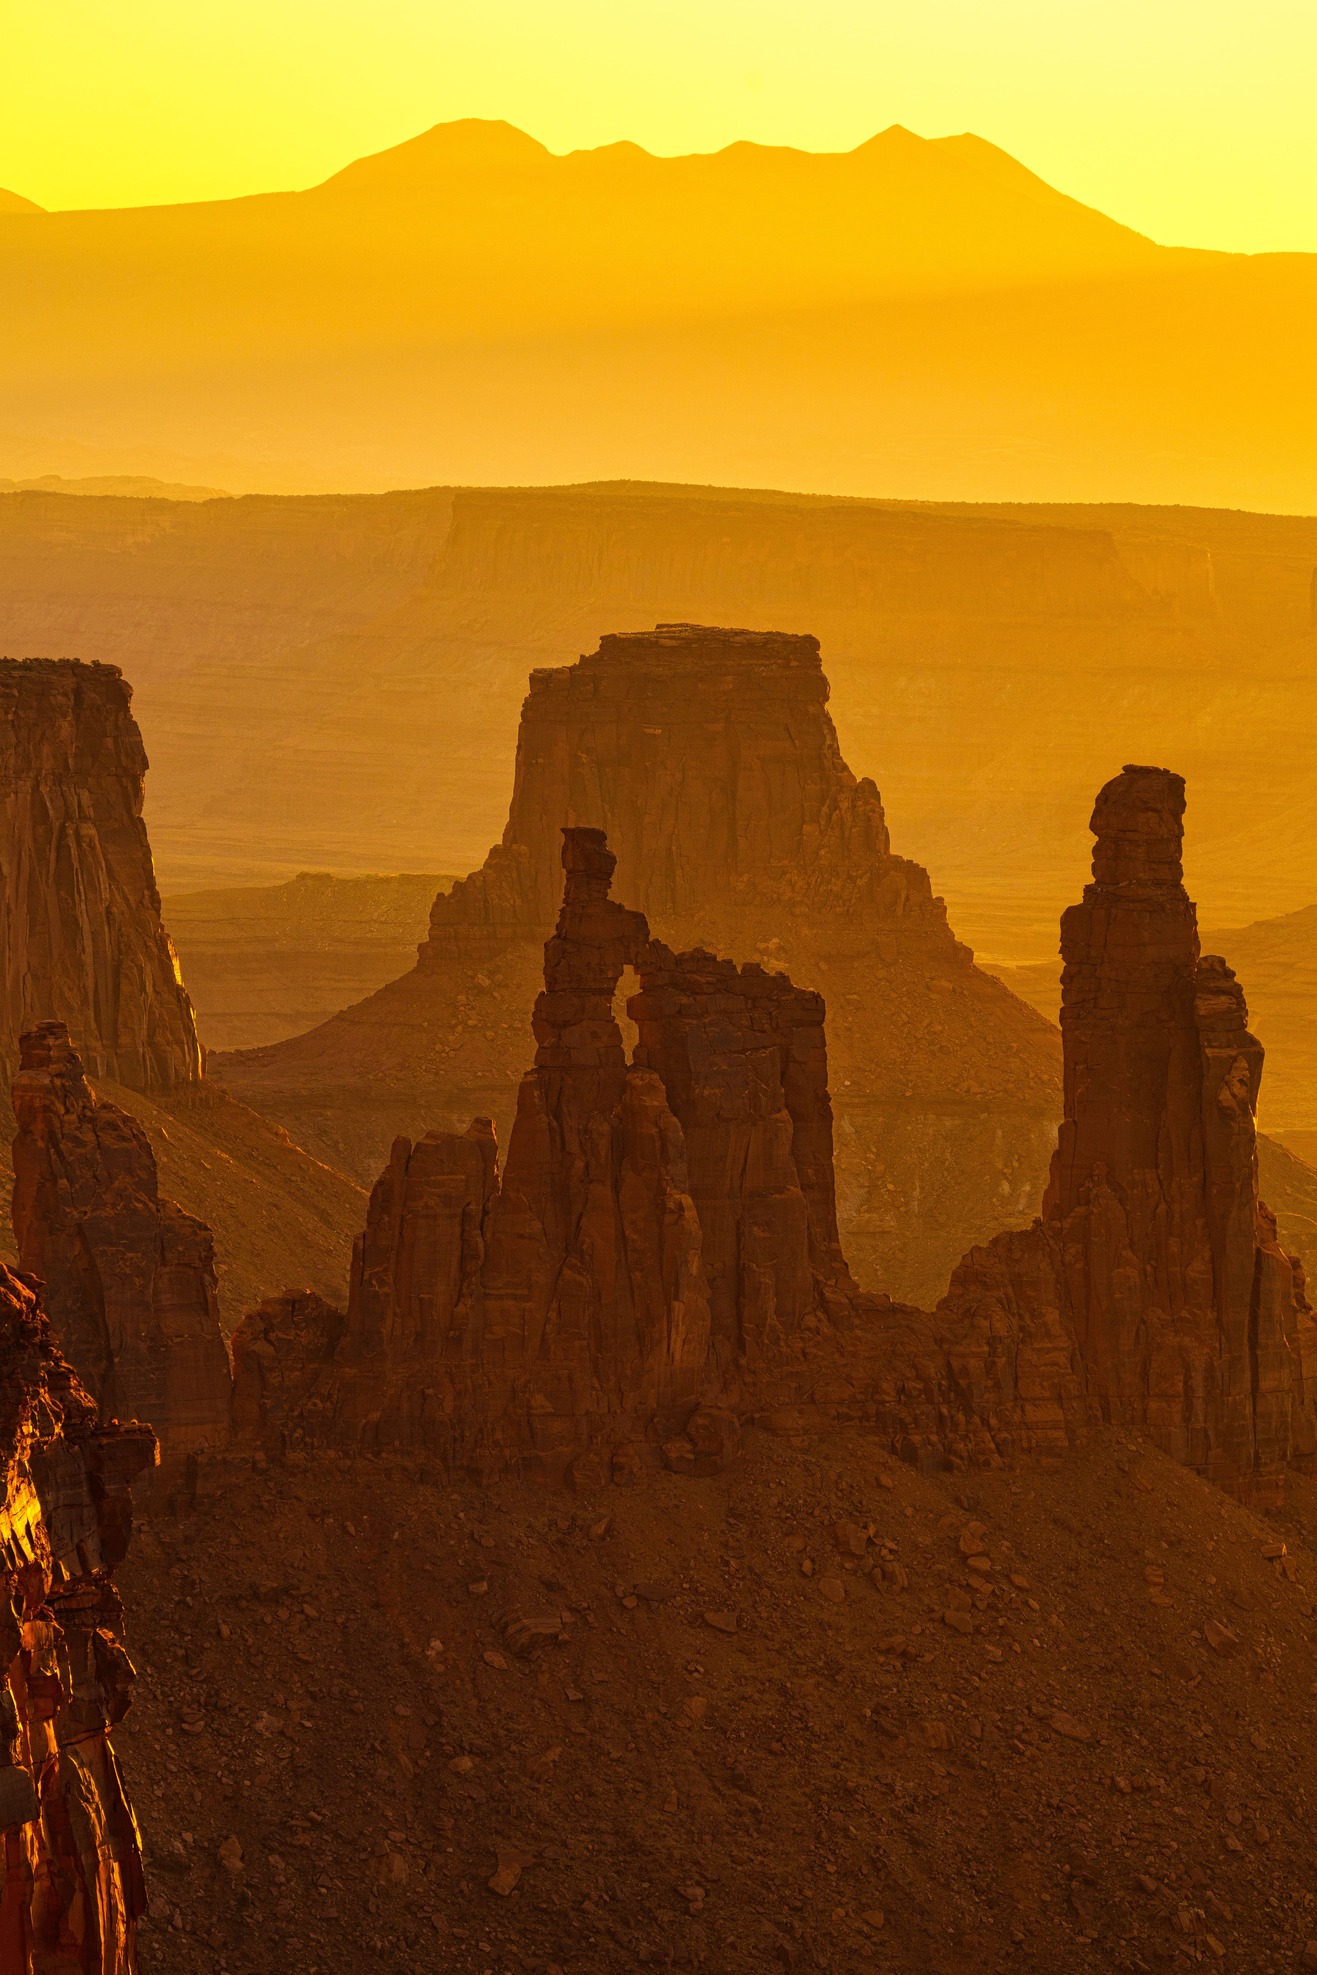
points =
(1155, 1269)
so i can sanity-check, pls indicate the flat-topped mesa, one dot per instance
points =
(710, 758)
(1154, 1255)
(129, 1277)
(80, 923)
(74, 1892)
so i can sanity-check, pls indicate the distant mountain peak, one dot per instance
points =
(468, 144)
(13, 202)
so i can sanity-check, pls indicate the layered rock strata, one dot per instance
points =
(72, 1892)
(1154, 1267)
(80, 929)
(129, 1277)
(711, 761)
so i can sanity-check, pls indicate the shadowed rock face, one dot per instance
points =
(73, 1890)
(1154, 1255)
(80, 927)
(129, 1277)
(710, 759)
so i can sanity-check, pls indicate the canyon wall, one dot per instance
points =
(129, 1278)
(710, 759)
(73, 1891)
(987, 664)
(80, 927)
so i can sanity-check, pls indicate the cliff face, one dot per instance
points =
(587, 550)
(73, 1891)
(129, 1277)
(1154, 1255)
(80, 923)
(711, 761)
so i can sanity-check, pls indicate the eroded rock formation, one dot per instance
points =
(711, 761)
(80, 929)
(660, 1255)
(129, 1277)
(1154, 1270)
(660, 1260)
(72, 1892)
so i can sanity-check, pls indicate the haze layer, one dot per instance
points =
(916, 316)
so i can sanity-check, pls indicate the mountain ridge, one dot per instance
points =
(922, 315)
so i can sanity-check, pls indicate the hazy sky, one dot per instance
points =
(1193, 120)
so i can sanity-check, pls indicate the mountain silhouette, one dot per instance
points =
(922, 316)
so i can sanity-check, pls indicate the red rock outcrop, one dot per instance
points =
(129, 1277)
(72, 1892)
(661, 1243)
(1153, 1287)
(661, 1259)
(711, 761)
(80, 927)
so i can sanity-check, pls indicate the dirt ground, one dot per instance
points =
(822, 1713)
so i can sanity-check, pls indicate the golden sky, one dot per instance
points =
(1192, 120)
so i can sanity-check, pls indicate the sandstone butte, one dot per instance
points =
(128, 1277)
(73, 1889)
(659, 1261)
(80, 928)
(710, 760)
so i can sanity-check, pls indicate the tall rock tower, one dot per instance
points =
(80, 935)
(1155, 1269)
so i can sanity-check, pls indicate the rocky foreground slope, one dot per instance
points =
(770, 1720)
(711, 760)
